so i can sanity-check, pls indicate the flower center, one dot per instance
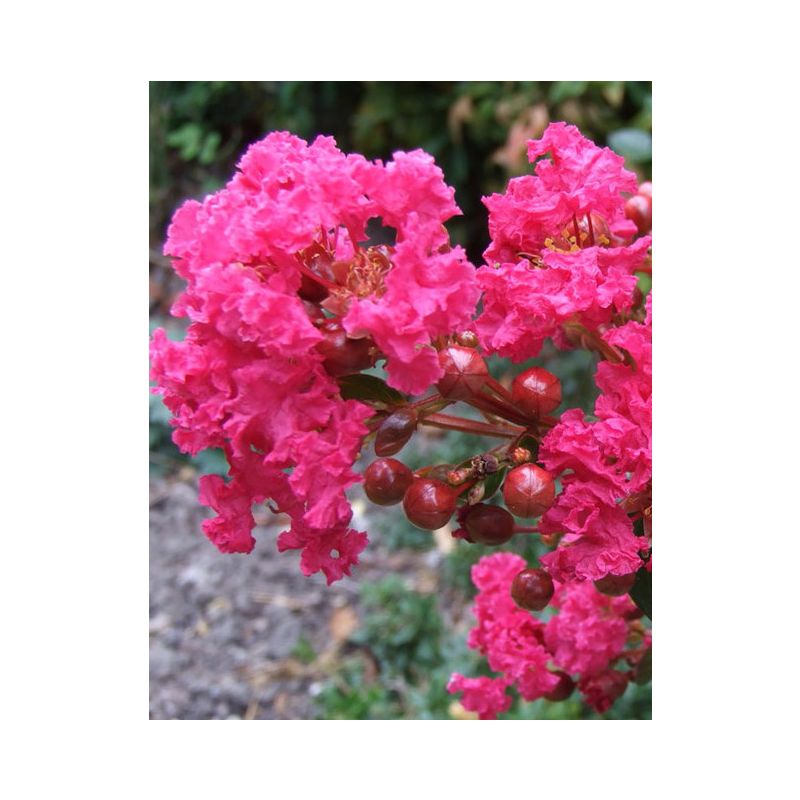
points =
(333, 283)
(590, 231)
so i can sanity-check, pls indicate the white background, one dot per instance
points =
(75, 369)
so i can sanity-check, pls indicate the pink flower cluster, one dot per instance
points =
(587, 635)
(606, 467)
(269, 261)
(551, 261)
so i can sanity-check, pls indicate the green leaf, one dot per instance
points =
(369, 388)
(188, 139)
(642, 592)
(208, 152)
(493, 483)
(632, 144)
(564, 90)
(644, 669)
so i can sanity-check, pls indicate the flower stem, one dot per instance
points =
(449, 422)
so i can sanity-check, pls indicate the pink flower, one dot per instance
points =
(285, 239)
(601, 691)
(579, 179)
(485, 696)
(604, 463)
(430, 291)
(585, 637)
(588, 632)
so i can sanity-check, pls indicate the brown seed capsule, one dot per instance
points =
(532, 589)
(465, 372)
(429, 504)
(563, 689)
(386, 481)
(395, 431)
(615, 585)
(536, 391)
(487, 524)
(528, 490)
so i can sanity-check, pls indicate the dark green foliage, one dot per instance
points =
(199, 129)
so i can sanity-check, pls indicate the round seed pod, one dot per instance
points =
(487, 524)
(536, 391)
(532, 589)
(528, 491)
(429, 504)
(386, 481)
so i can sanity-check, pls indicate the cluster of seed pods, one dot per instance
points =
(433, 495)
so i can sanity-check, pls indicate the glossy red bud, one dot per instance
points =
(429, 504)
(536, 391)
(611, 685)
(311, 290)
(343, 355)
(395, 431)
(528, 491)
(646, 189)
(532, 589)
(465, 372)
(386, 481)
(615, 585)
(467, 339)
(639, 209)
(487, 524)
(563, 689)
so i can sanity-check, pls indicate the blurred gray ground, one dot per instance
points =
(227, 631)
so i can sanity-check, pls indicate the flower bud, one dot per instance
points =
(532, 589)
(386, 481)
(609, 686)
(615, 585)
(458, 476)
(465, 372)
(519, 455)
(528, 490)
(343, 355)
(311, 290)
(563, 689)
(646, 189)
(487, 524)
(476, 493)
(467, 339)
(639, 209)
(429, 504)
(536, 391)
(395, 431)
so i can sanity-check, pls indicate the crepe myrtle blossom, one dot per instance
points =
(582, 643)
(561, 261)
(328, 313)
(284, 295)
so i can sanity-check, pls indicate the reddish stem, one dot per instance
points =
(495, 406)
(449, 422)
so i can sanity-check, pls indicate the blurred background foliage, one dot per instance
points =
(409, 641)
